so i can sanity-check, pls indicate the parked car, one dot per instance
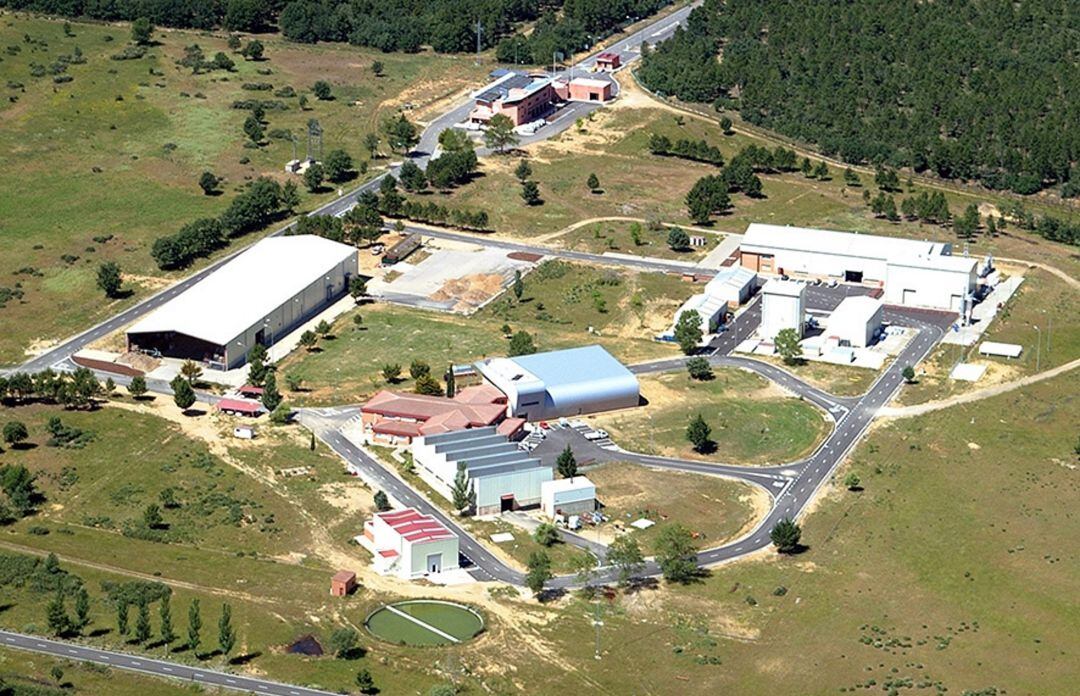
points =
(833, 283)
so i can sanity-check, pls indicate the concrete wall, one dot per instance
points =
(323, 291)
(414, 557)
(524, 485)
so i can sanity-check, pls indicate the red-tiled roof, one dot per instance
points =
(388, 426)
(250, 389)
(480, 394)
(238, 405)
(415, 527)
(388, 553)
(423, 408)
(608, 56)
(344, 576)
(510, 426)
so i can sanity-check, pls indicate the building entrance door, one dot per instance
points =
(434, 563)
(506, 503)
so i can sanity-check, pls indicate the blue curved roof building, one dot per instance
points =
(561, 383)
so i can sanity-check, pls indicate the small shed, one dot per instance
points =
(249, 391)
(569, 496)
(399, 251)
(343, 583)
(1003, 350)
(608, 61)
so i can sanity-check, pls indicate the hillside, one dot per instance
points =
(970, 90)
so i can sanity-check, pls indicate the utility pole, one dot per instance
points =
(1038, 347)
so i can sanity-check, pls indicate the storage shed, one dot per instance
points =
(568, 496)
(409, 544)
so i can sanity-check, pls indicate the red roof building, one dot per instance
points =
(343, 583)
(239, 407)
(395, 418)
(608, 61)
(409, 544)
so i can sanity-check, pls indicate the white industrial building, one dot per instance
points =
(409, 544)
(783, 306)
(912, 272)
(855, 322)
(730, 288)
(568, 496)
(502, 476)
(256, 298)
(562, 383)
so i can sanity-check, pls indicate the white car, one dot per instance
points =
(596, 435)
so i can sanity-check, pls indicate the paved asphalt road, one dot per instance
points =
(146, 665)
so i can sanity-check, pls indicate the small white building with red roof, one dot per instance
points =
(409, 544)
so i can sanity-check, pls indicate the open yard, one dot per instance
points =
(713, 509)
(559, 305)
(115, 154)
(752, 422)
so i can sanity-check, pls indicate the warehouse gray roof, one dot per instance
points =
(483, 451)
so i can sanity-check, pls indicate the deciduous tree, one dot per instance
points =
(675, 553)
(108, 278)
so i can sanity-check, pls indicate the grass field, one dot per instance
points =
(948, 570)
(118, 150)
(751, 422)
(560, 302)
(617, 236)
(841, 380)
(713, 509)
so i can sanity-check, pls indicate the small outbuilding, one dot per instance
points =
(855, 322)
(568, 496)
(608, 61)
(590, 89)
(343, 583)
(783, 306)
(240, 407)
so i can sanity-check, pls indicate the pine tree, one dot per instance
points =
(122, 618)
(688, 331)
(82, 609)
(566, 464)
(271, 397)
(451, 386)
(786, 535)
(518, 287)
(142, 623)
(226, 634)
(56, 615)
(593, 183)
(460, 490)
(698, 433)
(194, 627)
(165, 613)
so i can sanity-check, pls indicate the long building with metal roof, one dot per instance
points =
(911, 272)
(256, 298)
(501, 475)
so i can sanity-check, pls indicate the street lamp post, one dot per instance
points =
(1038, 346)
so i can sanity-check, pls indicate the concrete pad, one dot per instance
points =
(722, 252)
(502, 537)
(967, 372)
(450, 578)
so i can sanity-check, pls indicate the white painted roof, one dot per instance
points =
(783, 287)
(891, 249)
(730, 280)
(1008, 350)
(857, 309)
(577, 483)
(246, 289)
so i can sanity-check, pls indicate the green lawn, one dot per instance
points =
(559, 305)
(751, 423)
(454, 621)
(713, 509)
(616, 236)
(118, 150)
(27, 670)
(841, 380)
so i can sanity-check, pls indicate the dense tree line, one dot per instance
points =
(966, 90)
(260, 204)
(698, 151)
(580, 25)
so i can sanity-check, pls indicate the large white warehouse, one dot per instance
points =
(562, 383)
(783, 306)
(256, 298)
(502, 476)
(916, 273)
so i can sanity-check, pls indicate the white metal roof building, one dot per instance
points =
(409, 544)
(562, 383)
(730, 288)
(502, 476)
(912, 272)
(855, 321)
(568, 496)
(257, 297)
(783, 306)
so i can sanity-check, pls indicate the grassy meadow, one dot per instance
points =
(115, 154)
(751, 422)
